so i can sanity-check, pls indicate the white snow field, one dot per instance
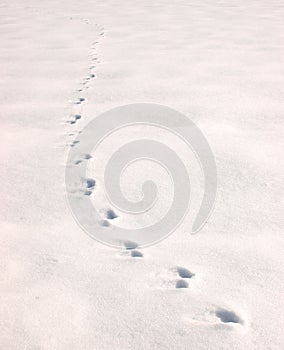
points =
(221, 63)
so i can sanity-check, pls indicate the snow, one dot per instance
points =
(221, 64)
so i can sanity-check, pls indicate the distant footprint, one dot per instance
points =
(74, 143)
(87, 156)
(80, 100)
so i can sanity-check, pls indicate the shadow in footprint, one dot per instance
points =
(136, 254)
(80, 100)
(87, 156)
(181, 284)
(110, 214)
(184, 273)
(90, 183)
(130, 245)
(104, 223)
(87, 193)
(227, 316)
(74, 143)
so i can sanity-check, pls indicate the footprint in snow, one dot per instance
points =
(104, 223)
(227, 316)
(217, 316)
(87, 192)
(181, 284)
(87, 156)
(132, 247)
(74, 119)
(110, 214)
(90, 184)
(185, 274)
(80, 100)
(136, 254)
(74, 143)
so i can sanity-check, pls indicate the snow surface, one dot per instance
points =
(219, 62)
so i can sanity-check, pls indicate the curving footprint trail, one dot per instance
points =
(183, 276)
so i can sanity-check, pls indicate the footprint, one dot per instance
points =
(110, 214)
(104, 223)
(87, 192)
(80, 100)
(184, 273)
(130, 245)
(90, 183)
(87, 156)
(227, 316)
(136, 254)
(76, 118)
(181, 284)
(74, 143)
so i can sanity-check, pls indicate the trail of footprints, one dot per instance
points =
(87, 185)
(183, 279)
(184, 276)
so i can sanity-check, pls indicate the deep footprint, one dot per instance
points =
(136, 254)
(130, 245)
(90, 183)
(227, 316)
(110, 214)
(184, 273)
